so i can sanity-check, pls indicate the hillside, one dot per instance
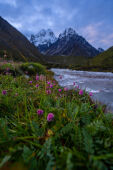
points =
(16, 44)
(104, 60)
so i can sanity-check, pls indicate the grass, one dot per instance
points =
(79, 137)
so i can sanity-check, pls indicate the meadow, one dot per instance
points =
(44, 126)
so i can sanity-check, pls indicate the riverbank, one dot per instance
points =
(99, 83)
(45, 126)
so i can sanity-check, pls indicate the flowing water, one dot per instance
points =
(99, 83)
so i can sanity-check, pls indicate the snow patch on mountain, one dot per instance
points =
(43, 37)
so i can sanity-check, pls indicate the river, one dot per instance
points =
(99, 83)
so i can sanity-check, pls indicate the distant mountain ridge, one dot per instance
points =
(16, 44)
(69, 43)
(43, 39)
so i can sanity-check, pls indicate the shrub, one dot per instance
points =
(33, 68)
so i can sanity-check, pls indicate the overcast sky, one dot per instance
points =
(92, 19)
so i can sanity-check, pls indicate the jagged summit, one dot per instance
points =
(43, 37)
(68, 32)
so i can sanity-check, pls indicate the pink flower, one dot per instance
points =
(26, 72)
(37, 77)
(40, 112)
(77, 86)
(4, 92)
(16, 94)
(48, 91)
(81, 92)
(30, 82)
(90, 94)
(37, 85)
(74, 83)
(50, 117)
(42, 77)
(60, 77)
(51, 86)
(65, 89)
(59, 90)
(48, 82)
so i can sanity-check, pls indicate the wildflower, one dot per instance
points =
(48, 91)
(50, 117)
(16, 94)
(81, 92)
(59, 90)
(90, 94)
(47, 87)
(40, 112)
(51, 86)
(74, 83)
(37, 85)
(7, 69)
(37, 77)
(65, 89)
(77, 86)
(42, 77)
(60, 77)
(26, 72)
(48, 83)
(49, 132)
(30, 82)
(4, 92)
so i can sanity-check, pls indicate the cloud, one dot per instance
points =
(9, 2)
(91, 31)
(97, 35)
(92, 19)
(107, 40)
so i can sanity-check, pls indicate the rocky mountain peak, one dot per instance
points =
(68, 32)
(43, 37)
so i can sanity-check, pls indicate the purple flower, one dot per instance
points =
(48, 91)
(77, 86)
(42, 77)
(74, 83)
(37, 85)
(51, 86)
(60, 77)
(40, 112)
(37, 77)
(65, 89)
(48, 82)
(4, 92)
(30, 82)
(81, 92)
(50, 117)
(59, 90)
(90, 94)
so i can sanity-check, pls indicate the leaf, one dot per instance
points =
(27, 153)
(5, 159)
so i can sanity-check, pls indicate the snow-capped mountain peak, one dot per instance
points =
(67, 32)
(43, 37)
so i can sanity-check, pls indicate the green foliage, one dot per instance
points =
(33, 68)
(79, 137)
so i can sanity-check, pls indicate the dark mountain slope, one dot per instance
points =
(16, 44)
(70, 43)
